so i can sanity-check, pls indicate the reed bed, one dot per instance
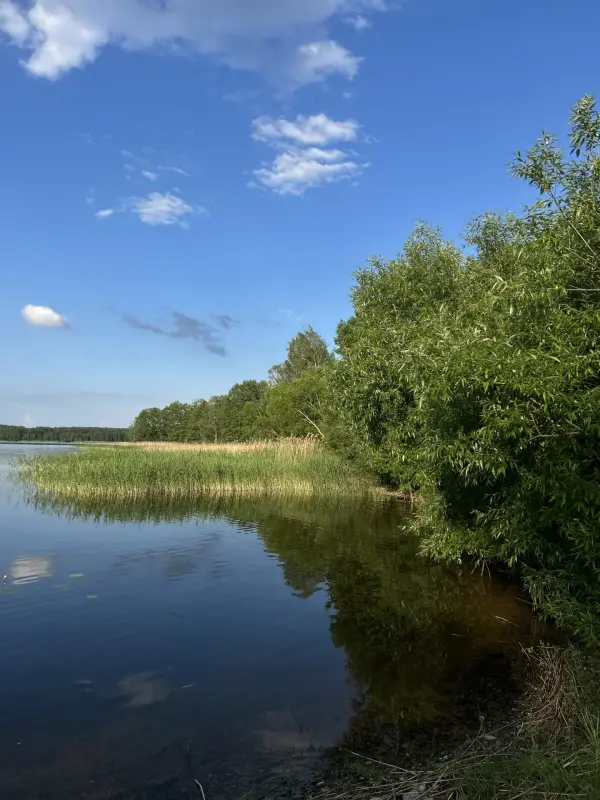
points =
(297, 467)
(291, 447)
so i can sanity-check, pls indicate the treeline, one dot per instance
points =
(471, 375)
(290, 403)
(19, 433)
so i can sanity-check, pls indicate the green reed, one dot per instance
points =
(127, 472)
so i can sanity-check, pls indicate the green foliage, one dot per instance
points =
(306, 351)
(299, 407)
(237, 416)
(477, 377)
(19, 433)
(293, 403)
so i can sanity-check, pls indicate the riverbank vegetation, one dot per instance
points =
(469, 374)
(551, 750)
(287, 467)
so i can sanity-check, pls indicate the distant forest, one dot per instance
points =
(19, 433)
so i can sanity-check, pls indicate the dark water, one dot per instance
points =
(144, 646)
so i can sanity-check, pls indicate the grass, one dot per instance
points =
(551, 751)
(286, 467)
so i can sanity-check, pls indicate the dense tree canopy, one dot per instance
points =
(477, 378)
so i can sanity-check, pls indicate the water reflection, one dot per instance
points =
(273, 629)
(30, 569)
(143, 689)
(411, 630)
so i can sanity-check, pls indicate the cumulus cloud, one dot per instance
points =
(43, 316)
(285, 38)
(295, 171)
(185, 327)
(316, 130)
(299, 163)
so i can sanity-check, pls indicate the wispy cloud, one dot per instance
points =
(358, 22)
(305, 158)
(156, 209)
(177, 170)
(287, 40)
(44, 317)
(315, 61)
(185, 327)
(225, 321)
(163, 209)
(151, 176)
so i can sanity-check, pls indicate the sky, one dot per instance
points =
(186, 184)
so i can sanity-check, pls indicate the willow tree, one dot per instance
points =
(477, 377)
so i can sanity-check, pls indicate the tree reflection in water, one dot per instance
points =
(412, 631)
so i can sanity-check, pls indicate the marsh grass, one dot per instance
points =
(294, 467)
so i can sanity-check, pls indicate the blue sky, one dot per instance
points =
(190, 182)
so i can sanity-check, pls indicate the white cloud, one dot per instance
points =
(44, 317)
(316, 60)
(300, 164)
(178, 170)
(359, 23)
(294, 171)
(316, 130)
(104, 212)
(162, 209)
(151, 176)
(286, 39)
(13, 22)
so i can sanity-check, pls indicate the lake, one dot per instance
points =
(233, 642)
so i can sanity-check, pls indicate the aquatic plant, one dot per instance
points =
(286, 467)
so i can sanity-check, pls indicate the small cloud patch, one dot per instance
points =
(44, 317)
(156, 209)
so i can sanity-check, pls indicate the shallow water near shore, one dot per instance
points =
(145, 646)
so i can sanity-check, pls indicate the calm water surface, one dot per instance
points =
(228, 641)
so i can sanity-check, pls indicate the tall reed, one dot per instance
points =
(295, 467)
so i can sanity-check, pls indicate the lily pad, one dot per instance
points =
(77, 575)
(92, 596)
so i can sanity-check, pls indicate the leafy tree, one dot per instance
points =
(299, 407)
(305, 351)
(149, 426)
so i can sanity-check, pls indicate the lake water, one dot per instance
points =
(232, 642)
